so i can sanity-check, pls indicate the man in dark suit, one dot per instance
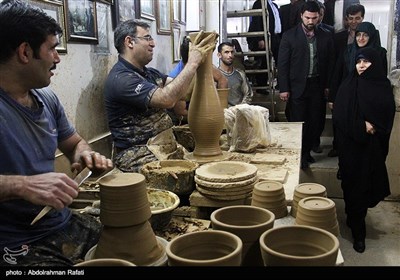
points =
(304, 65)
(290, 14)
(331, 30)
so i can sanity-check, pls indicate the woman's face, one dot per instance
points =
(362, 65)
(362, 39)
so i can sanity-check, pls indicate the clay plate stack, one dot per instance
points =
(226, 180)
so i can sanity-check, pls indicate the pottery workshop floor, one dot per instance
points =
(383, 236)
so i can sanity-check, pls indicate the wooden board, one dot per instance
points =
(268, 158)
(274, 174)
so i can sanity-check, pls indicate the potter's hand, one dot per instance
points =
(94, 161)
(180, 108)
(52, 189)
(200, 48)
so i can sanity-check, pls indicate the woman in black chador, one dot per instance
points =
(364, 114)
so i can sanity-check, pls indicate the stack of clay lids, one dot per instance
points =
(226, 180)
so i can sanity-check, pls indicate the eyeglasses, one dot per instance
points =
(148, 38)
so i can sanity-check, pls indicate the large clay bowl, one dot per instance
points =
(105, 262)
(247, 222)
(226, 171)
(176, 176)
(298, 245)
(162, 203)
(205, 248)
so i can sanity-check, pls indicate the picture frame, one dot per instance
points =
(175, 12)
(109, 2)
(163, 17)
(102, 10)
(81, 21)
(55, 9)
(182, 9)
(147, 10)
(123, 10)
(176, 42)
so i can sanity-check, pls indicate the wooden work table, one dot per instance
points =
(286, 141)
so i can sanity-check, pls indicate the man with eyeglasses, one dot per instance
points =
(137, 97)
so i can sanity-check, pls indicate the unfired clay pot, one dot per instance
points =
(105, 262)
(205, 117)
(124, 200)
(298, 246)
(176, 176)
(270, 195)
(247, 222)
(137, 244)
(305, 190)
(318, 212)
(205, 248)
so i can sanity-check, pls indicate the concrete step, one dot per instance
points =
(324, 170)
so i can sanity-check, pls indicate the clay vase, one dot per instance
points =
(247, 222)
(205, 248)
(318, 212)
(205, 117)
(305, 190)
(299, 246)
(270, 195)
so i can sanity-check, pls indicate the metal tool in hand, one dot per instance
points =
(79, 179)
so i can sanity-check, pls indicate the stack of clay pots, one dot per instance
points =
(226, 180)
(270, 195)
(125, 213)
(305, 190)
(318, 212)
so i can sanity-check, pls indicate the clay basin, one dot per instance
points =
(172, 175)
(205, 248)
(162, 203)
(105, 262)
(247, 222)
(298, 246)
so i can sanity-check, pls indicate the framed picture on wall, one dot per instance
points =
(102, 11)
(163, 13)
(147, 9)
(55, 9)
(176, 14)
(123, 10)
(182, 9)
(110, 2)
(176, 42)
(81, 21)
